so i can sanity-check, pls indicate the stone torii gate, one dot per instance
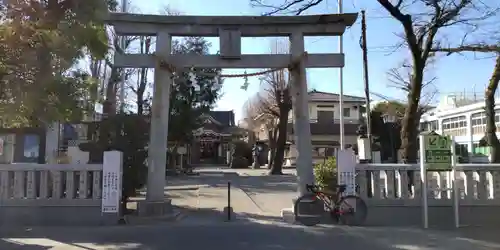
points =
(229, 29)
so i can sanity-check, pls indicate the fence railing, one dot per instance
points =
(400, 184)
(50, 184)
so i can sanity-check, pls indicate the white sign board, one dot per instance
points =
(346, 169)
(111, 181)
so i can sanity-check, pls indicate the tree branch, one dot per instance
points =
(469, 48)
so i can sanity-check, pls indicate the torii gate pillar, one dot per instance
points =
(300, 109)
(230, 29)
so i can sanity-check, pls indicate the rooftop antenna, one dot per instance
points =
(474, 91)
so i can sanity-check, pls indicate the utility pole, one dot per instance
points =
(365, 73)
(123, 78)
(341, 80)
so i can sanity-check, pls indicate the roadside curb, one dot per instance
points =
(171, 217)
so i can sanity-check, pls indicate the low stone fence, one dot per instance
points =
(53, 194)
(392, 201)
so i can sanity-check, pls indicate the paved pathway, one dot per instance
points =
(191, 234)
(257, 200)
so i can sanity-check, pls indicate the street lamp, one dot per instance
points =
(390, 120)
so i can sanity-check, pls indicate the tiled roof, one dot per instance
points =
(226, 118)
(318, 96)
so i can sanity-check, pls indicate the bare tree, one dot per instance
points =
(421, 29)
(273, 105)
(400, 78)
(140, 86)
(491, 88)
(116, 75)
(251, 118)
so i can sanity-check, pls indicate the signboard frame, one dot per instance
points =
(112, 173)
(437, 149)
(451, 175)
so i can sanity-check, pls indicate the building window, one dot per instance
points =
(456, 126)
(347, 112)
(461, 150)
(429, 126)
(455, 123)
(325, 116)
(478, 121)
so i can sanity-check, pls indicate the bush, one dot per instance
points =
(325, 174)
(242, 149)
(242, 152)
(239, 162)
(130, 135)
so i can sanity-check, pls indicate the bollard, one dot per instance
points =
(229, 200)
(228, 210)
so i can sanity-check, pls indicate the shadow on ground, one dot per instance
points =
(208, 228)
(189, 234)
(254, 184)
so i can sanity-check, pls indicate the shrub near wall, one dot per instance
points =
(241, 153)
(325, 174)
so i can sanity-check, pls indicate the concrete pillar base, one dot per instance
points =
(288, 215)
(154, 208)
(225, 212)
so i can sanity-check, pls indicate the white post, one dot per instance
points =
(300, 100)
(423, 178)
(157, 158)
(456, 198)
(341, 80)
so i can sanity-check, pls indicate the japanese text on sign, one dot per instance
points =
(111, 183)
(438, 152)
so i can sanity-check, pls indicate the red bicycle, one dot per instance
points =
(345, 209)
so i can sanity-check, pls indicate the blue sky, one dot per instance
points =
(456, 73)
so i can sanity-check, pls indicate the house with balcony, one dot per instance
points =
(463, 118)
(324, 114)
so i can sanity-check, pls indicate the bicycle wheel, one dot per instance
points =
(352, 210)
(308, 210)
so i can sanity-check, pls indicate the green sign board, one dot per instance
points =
(437, 152)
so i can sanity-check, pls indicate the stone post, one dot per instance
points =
(157, 158)
(300, 102)
(52, 143)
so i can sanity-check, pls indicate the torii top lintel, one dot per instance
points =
(127, 24)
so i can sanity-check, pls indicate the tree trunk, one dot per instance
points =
(491, 127)
(272, 152)
(272, 136)
(43, 77)
(140, 91)
(277, 166)
(409, 132)
(145, 45)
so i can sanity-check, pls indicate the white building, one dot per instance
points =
(464, 119)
